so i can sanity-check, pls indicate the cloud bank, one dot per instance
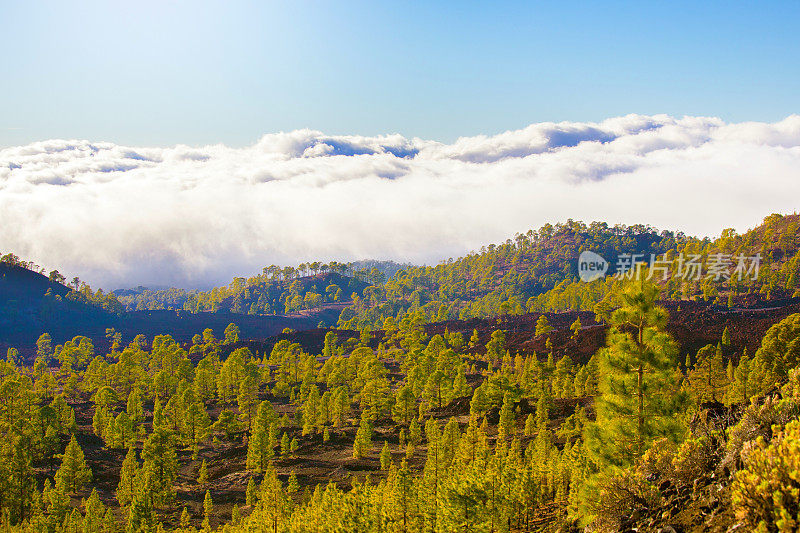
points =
(196, 216)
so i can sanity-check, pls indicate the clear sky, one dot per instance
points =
(167, 72)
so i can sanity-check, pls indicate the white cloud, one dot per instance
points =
(187, 216)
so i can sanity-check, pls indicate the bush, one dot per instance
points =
(657, 462)
(620, 494)
(696, 457)
(766, 493)
(757, 421)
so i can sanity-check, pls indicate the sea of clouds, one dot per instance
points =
(196, 216)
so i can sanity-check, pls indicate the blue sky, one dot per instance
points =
(161, 73)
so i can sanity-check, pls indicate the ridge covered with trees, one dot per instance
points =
(537, 271)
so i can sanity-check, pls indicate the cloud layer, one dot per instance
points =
(195, 216)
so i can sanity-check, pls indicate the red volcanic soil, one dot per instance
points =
(692, 325)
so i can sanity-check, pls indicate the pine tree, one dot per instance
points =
(726, 338)
(123, 431)
(273, 503)
(231, 334)
(260, 447)
(405, 404)
(17, 480)
(741, 390)
(311, 410)
(433, 391)
(44, 347)
(543, 326)
(142, 509)
(73, 470)
(401, 504)
(414, 433)
(479, 403)
(779, 352)
(496, 347)
(127, 476)
(451, 435)
(292, 485)
(185, 520)
(248, 399)
(208, 507)
(362, 444)
(530, 425)
(202, 475)
(236, 515)
(135, 407)
(95, 513)
(57, 502)
(575, 327)
(639, 396)
(432, 474)
(251, 494)
(109, 522)
(474, 340)
(329, 348)
(160, 460)
(542, 413)
(386, 456)
(562, 378)
(708, 378)
(506, 428)
(285, 443)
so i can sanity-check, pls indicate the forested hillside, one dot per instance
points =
(538, 271)
(32, 303)
(616, 405)
(275, 291)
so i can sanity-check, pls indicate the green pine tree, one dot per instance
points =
(506, 428)
(202, 475)
(708, 379)
(251, 494)
(575, 327)
(127, 476)
(639, 388)
(260, 447)
(73, 471)
(741, 390)
(386, 456)
(543, 326)
(208, 508)
(530, 426)
(362, 444)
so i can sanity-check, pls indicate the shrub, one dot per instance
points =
(758, 420)
(657, 462)
(620, 494)
(696, 456)
(766, 493)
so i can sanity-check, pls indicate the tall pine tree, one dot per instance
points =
(639, 387)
